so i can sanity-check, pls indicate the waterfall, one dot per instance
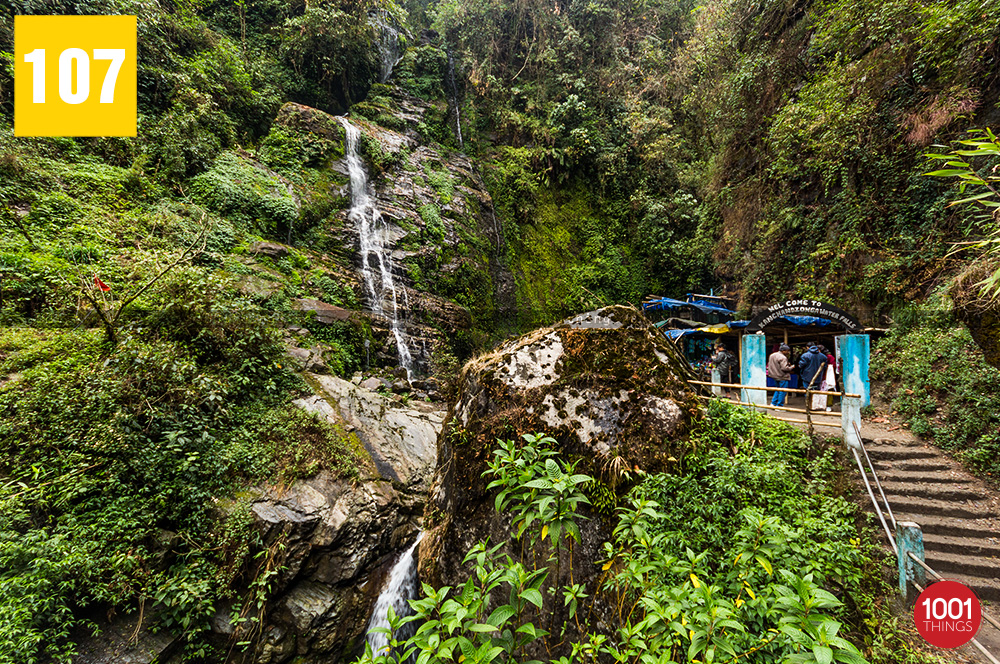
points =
(400, 586)
(373, 232)
(454, 98)
(390, 50)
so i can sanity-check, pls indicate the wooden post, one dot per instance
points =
(809, 418)
(910, 539)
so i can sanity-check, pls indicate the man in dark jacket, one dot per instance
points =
(725, 362)
(811, 367)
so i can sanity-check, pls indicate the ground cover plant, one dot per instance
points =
(747, 553)
(123, 468)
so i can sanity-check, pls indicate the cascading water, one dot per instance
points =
(373, 232)
(399, 587)
(454, 98)
(389, 48)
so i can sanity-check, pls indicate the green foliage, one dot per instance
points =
(127, 441)
(246, 192)
(538, 489)
(761, 590)
(936, 378)
(433, 228)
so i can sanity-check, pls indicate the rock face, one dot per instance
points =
(334, 540)
(605, 385)
(980, 314)
(441, 228)
(402, 440)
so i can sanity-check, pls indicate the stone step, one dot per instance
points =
(933, 491)
(987, 590)
(886, 453)
(969, 565)
(918, 465)
(970, 546)
(927, 507)
(895, 475)
(947, 527)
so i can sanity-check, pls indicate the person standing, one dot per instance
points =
(780, 368)
(725, 362)
(812, 366)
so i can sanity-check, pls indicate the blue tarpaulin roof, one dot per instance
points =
(661, 303)
(801, 321)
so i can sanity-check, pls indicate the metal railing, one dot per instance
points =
(903, 553)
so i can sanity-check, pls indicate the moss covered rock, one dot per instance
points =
(606, 385)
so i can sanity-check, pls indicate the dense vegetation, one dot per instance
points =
(769, 147)
(935, 379)
(749, 552)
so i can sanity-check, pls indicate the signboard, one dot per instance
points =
(75, 76)
(803, 308)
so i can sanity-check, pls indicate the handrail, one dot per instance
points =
(988, 618)
(871, 467)
(973, 641)
(892, 540)
(878, 510)
(777, 389)
(770, 407)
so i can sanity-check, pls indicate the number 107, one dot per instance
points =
(75, 89)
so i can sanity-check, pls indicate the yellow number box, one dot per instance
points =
(74, 75)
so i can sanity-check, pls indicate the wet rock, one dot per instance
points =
(400, 386)
(401, 440)
(307, 602)
(269, 249)
(325, 313)
(332, 539)
(400, 372)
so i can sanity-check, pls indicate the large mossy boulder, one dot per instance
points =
(608, 386)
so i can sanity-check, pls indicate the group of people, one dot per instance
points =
(815, 368)
(812, 367)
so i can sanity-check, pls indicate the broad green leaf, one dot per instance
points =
(532, 595)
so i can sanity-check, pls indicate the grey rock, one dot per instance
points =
(400, 386)
(269, 249)
(401, 373)
(115, 645)
(593, 382)
(371, 384)
(307, 603)
(402, 441)
(325, 313)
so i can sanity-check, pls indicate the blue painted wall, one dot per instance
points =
(752, 368)
(855, 350)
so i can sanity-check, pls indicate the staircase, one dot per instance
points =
(960, 521)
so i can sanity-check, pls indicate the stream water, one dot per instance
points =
(375, 247)
(401, 585)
